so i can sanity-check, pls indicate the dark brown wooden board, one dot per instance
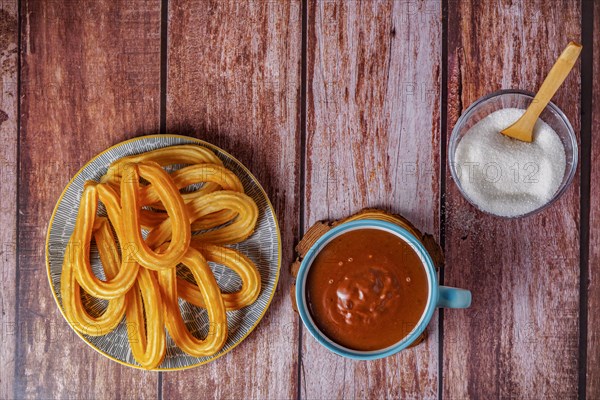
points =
(234, 80)
(8, 190)
(90, 78)
(372, 140)
(593, 289)
(520, 337)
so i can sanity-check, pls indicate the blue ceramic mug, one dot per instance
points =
(439, 296)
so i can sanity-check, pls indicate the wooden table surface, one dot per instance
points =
(334, 106)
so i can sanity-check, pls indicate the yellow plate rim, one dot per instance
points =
(210, 146)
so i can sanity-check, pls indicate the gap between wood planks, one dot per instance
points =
(302, 178)
(443, 141)
(587, 71)
(164, 42)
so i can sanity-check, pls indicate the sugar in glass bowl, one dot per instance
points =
(510, 178)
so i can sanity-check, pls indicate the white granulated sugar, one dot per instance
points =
(505, 176)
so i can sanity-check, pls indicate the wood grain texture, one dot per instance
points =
(8, 190)
(373, 141)
(90, 78)
(593, 323)
(234, 81)
(520, 337)
(90, 75)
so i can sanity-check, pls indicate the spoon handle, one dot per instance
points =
(555, 78)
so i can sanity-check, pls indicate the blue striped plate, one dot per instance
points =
(263, 248)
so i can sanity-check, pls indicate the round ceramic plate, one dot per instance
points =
(263, 248)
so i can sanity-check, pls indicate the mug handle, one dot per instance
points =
(451, 297)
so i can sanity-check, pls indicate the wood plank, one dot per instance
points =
(520, 337)
(9, 32)
(373, 141)
(234, 81)
(593, 323)
(90, 79)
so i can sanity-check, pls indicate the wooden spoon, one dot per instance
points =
(523, 128)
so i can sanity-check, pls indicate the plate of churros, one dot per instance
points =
(163, 252)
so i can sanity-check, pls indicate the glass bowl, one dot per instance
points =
(551, 115)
